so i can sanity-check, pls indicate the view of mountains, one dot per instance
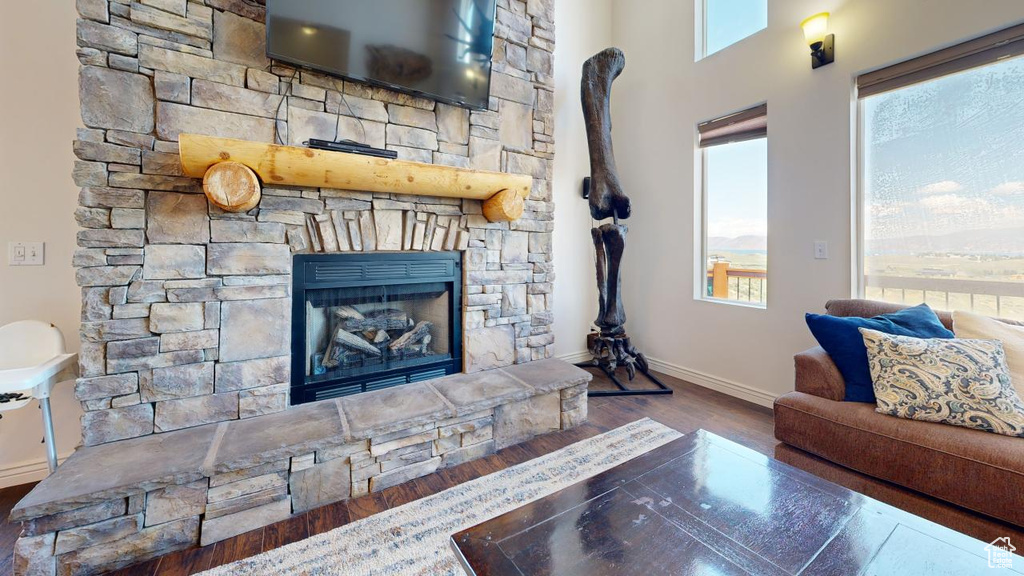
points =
(738, 243)
(1005, 241)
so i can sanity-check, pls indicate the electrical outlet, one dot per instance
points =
(25, 253)
(820, 250)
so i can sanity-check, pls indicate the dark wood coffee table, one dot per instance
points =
(705, 505)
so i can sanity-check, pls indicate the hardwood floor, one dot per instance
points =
(8, 532)
(690, 408)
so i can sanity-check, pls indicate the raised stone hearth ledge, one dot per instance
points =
(123, 502)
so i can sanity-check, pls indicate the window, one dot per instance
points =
(942, 178)
(734, 156)
(722, 23)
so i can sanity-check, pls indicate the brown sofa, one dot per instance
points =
(978, 470)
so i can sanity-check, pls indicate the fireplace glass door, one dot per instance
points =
(374, 333)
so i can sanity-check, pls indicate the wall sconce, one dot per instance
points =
(821, 42)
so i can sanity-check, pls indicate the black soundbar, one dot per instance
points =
(350, 147)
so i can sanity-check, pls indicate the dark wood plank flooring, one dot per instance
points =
(689, 409)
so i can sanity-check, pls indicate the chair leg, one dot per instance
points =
(51, 446)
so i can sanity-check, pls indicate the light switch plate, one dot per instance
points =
(820, 250)
(25, 253)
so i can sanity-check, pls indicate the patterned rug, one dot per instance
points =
(413, 539)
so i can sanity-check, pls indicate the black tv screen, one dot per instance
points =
(440, 49)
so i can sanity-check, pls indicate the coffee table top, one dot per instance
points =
(705, 505)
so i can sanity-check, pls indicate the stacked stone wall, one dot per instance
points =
(186, 308)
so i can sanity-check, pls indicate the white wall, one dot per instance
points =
(39, 104)
(660, 98)
(583, 28)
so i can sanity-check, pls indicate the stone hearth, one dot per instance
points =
(123, 502)
(186, 307)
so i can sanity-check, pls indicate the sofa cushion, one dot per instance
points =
(976, 326)
(959, 382)
(946, 462)
(840, 338)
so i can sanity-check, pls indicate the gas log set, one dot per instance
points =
(374, 336)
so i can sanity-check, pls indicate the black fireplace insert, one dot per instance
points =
(363, 322)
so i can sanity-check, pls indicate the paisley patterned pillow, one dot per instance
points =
(959, 382)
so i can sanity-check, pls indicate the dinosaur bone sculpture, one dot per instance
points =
(607, 200)
(611, 346)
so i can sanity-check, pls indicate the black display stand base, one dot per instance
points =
(610, 350)
(624, 390)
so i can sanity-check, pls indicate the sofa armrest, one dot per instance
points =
(816, 374)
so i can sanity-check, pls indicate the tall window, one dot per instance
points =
(734, 152)
(942, 178)
(722, 23)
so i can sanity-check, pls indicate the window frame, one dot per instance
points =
(719, 125)
(967, 55)
(700, 29)
(858, 285)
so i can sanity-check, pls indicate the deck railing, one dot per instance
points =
(1004, 299)
(993, 298)
(743, 284)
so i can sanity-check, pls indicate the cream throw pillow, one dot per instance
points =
(952, 381)
(977, 327)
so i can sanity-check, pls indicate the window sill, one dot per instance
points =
(738, 303)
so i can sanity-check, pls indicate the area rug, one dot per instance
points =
(413, 539)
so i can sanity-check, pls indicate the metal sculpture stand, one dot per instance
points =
(610, 347)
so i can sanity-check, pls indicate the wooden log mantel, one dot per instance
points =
(504, 195)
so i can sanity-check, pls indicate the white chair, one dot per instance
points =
(32, 361)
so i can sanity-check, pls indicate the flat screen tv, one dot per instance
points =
(440, 49)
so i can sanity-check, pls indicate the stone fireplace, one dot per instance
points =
(222, 352)
(187, 309)
(363, 322)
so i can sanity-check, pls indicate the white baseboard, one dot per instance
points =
(25, 472)
(742, 391)
(574, 357)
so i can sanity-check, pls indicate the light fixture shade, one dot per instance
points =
(815, 28)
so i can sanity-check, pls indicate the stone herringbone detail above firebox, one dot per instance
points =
(185, 307)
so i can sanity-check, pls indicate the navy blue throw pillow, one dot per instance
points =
(839, 336)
